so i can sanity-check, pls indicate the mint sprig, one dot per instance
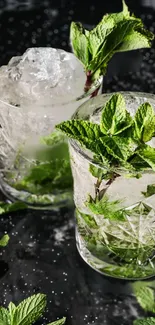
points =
(117, 32)
(27, 312)
(119, 141)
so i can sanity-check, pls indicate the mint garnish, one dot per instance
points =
(144, 122)
(4, 240)
(145, 297)
(27, 312)
(115, 118)
(117, 32)
(119, 140)
(58, 322)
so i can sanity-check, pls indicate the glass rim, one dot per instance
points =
(84, 153)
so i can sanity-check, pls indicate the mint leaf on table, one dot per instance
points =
(83, 131)
(29, 310)
(115, 118)
(117, 32)
(117, 147)
(58, 322)
(145, 321)
(12, 308)
(144, 122)
(4, 316)
(145, 297)
(4, 240)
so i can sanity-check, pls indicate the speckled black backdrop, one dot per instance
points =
(41, 255)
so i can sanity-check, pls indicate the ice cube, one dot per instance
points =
(42, 75)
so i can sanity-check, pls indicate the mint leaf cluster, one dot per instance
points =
(119, 142)
(27, 312)
(117, 32)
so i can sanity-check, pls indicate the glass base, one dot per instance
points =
(46, 201)
(125, 271)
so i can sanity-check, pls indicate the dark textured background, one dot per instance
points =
(41, 255)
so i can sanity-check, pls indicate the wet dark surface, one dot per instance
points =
(41, 255)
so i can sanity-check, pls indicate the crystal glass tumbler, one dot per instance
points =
(112, 246)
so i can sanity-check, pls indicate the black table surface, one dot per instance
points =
(41, 255)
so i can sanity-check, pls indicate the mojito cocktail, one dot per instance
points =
(38, 90)
(113, 165)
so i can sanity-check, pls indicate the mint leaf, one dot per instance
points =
(83, 131)
(4, 240)
(109, 209)
(79, 42)
(146, 298)
(147, 153)
(144, 122)
(29, 310)
(4, 316)
(117, 147)
(115, 117)
(145, 321)
(136, 40)
(150, 190)
(12, 309)
(138, 163)
(58, 322)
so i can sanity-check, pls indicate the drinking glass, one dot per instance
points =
(38, 90)
(121, 249)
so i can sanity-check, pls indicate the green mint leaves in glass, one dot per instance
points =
(117, 32)
(112, 150)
